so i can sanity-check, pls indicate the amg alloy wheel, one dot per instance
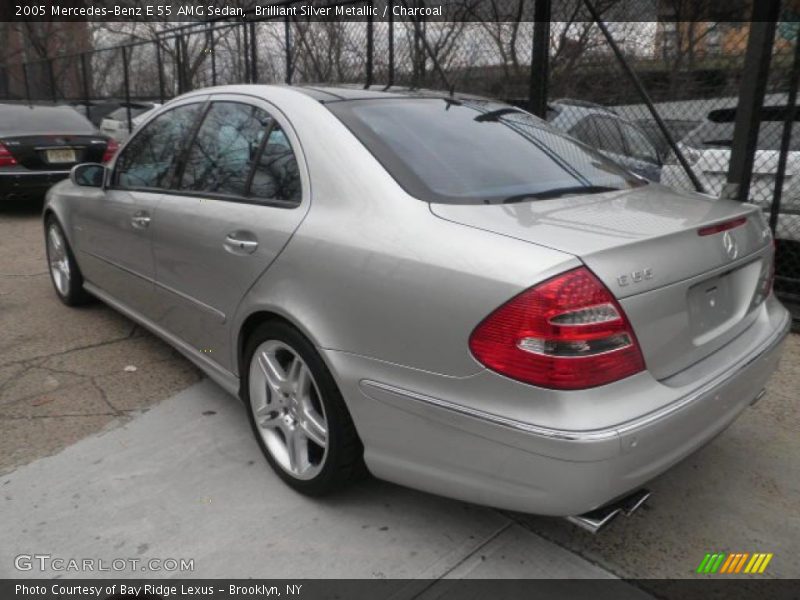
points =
(297, 413)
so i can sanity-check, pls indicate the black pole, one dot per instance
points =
(27, 83)
(85, 85)
(178, 66)
(390, 83)
(645, 96)
(540, 58)
(253, 54)
(751, 99)
(370, 46)
(160, 67)
(786, 138)
(52, 76)
(246, 40)
(212, 47)
(126, 82)
(288, 31)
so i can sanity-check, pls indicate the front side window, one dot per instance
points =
(442, 150)
(147, 161)
(225, 148)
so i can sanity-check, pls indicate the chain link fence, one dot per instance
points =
(688, 58)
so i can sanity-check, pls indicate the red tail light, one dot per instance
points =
(111, 150)
(6, 158)
(567, 333)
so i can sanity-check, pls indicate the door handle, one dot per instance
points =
(140, 220)
(241, 242)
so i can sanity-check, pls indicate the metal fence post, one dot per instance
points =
(246, 52)
(27, 82)
(212, 48)
(540, 58)
(126, 83)
(288, 32)
(52, 77)
(85, 82)
(370, 45)
(160, 67)
(786, 138)
(751, 99)
(645, 96)
(390, 82)
(253, 54)
(178, 65)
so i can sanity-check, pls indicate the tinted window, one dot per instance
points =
(609, 135)
(444, 151)
(222, 155)
(276, 176)
(147, 161)
(638, 145)
(586, 132)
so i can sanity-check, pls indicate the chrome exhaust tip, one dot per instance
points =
(599, 518)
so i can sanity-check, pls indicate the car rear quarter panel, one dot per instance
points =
(372, 272)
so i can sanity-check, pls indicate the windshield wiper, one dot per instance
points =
(495, 115)
(559, 192)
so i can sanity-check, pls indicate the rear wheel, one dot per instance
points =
(64, 272)
(297, 413)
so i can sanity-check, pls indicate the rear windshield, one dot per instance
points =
(445, 151)
(17, 119)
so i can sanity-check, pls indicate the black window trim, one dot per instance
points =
(180, 164)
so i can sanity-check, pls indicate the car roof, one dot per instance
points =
(23, 119)
(338, 93)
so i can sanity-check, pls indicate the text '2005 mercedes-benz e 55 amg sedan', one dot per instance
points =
(441, 289)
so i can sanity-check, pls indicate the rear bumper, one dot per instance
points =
(422, 441)
(28, 184)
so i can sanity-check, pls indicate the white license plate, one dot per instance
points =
(64, 155)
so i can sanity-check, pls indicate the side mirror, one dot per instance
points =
(88, 175)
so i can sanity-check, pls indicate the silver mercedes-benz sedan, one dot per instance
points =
(441, 290)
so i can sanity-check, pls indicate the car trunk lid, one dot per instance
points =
(685, 294)
(54, 152)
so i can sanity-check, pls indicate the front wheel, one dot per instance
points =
(297, 413)
(64, 272)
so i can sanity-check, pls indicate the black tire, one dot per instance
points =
(73, 294)
(343, 462)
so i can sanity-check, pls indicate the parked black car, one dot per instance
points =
(40, 144)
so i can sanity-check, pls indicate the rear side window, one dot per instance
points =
(638, 145)
(147, 161)
(586, 132)
(457, 152)
(225, 149)
(609, 135)
(276, 176)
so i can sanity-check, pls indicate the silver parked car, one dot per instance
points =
(444, 290)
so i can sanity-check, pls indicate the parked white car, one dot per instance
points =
(708, 150)
(115, 125)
